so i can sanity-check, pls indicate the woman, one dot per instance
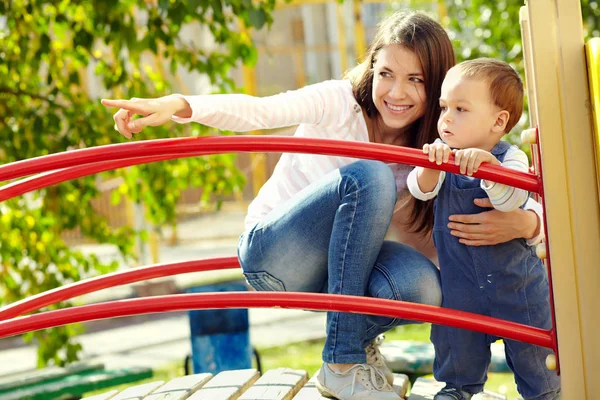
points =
(318, 224)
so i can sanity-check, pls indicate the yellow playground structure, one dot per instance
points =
(564, 98)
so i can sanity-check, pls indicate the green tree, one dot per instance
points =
(46, 48)
(480, 28)
(591, 18)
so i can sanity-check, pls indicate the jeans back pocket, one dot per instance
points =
(264, 282)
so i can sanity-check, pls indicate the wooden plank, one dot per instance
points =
(310, 391)
(592, 52)
(180, 388)
(48, 374)
(138, 392)
(490, 396)
(77, 385)
(425, 389)
(277, 384)
(401, 383)
(103, 396)
(227, 385)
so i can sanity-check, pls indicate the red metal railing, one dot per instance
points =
(189, 147)
(61, 167)
(66, 292)
(306, 301)
(537, 163)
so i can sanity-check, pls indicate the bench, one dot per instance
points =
(68, 383)
(277, 384)
(416, 358)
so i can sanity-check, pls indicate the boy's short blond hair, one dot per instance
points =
(506, 88)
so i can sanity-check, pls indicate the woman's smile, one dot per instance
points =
(397, 108)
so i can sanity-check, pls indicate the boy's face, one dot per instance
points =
(468, 116)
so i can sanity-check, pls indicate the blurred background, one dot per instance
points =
(59, 57)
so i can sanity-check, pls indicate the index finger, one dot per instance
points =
(129, 105)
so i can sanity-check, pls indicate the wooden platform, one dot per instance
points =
(277, 384)
(425, 389)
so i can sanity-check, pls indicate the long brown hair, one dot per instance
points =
(430, 43)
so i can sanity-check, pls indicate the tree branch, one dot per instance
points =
(18, 93)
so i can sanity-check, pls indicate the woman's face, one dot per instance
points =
(398, 86)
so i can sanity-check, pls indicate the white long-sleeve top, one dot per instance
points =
(324, 110)
(503, 197)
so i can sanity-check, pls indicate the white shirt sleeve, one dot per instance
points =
(415, 190)
(242, 113)
(536, 207)
(413, 183)
(504, 197)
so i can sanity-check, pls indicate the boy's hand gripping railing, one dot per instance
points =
(85, 162)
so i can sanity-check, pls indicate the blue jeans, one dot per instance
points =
(329, 238)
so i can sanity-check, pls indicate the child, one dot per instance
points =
(481, 100)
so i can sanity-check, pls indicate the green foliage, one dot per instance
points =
(50, 49)
(591, 18)
(483, 29)
(480, 28)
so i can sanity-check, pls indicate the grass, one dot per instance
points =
(307, 356)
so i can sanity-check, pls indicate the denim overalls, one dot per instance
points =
(505, 281)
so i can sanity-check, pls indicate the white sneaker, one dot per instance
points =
(362, 381)
(376, 359)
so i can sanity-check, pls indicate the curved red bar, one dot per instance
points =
(308, 301)
(50, 178)
(182, 147)
(66, 292)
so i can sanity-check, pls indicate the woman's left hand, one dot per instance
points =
(493, 227)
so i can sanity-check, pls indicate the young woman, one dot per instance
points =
(318, 224)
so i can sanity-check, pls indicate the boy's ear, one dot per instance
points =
(501, 121)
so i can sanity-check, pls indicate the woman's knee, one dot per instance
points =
(275, 266)
(402, 273)
(428, 289)
(373, 176)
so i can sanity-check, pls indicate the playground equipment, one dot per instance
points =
(559, 98)
(566, 152)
